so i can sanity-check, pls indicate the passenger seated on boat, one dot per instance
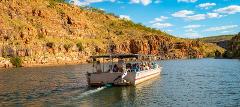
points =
(154, 65)
(98, 67)
(135, 67)
(150, 66)
(145, 66)
(115, 68)
(138, 67)
(128, 67)
(142, 66)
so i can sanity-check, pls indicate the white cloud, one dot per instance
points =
(196, 17)
(144, 2)
(225, 31)
(86, 2)
(160, 19)
(220, 28)
(192, 26)
(206, 5)
(192, 35)
(169, 30)
(229, 9)
(125, 17)
(182, 13)
(214, 15)
(161, 25)
(135, 1)
(156, 23)
(187, 1)
(102, 9)
(120, 2)
(157, 1)
(189, 30)
(189, 15)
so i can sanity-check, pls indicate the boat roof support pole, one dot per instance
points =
(103, 65)
(93, 65)
(112, 64)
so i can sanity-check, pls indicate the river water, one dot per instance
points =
(182, 83)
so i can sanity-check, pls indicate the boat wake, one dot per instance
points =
(90, 92)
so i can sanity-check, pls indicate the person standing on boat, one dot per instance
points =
(98, 67)
(115, 68)
(120, 65)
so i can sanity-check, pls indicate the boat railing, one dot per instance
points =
(139, 69)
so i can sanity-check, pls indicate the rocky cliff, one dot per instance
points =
(52, 32)
(221, 40)
(233, 50)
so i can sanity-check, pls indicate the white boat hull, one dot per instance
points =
(145, 75)
(132, 78)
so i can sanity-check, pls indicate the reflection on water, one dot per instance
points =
(202, 82)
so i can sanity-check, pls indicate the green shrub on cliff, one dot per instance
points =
(211, 54)
(80, 46)
(16, 61)
(4, 54)
(53, 3)
(50, 44)
(68, 46)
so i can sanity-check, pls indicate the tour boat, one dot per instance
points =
(144, 70)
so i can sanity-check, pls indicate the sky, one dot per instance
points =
(181, 18)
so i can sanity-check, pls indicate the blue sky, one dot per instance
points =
(181, 18)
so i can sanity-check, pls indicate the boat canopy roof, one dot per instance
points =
(121, 56)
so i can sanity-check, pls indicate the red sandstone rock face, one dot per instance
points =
(163, 47)
(136, 46)
(123, 47)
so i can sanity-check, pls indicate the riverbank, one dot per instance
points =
(5, 63)
(44, 65)
(28, 62)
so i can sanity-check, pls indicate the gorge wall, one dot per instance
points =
(50, 32)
